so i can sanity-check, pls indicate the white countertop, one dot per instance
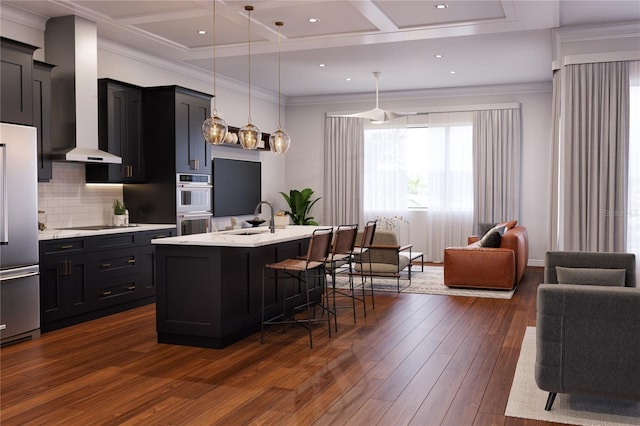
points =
(258, 236)
(52, 234)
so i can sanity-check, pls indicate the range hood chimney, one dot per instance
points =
(71, 43)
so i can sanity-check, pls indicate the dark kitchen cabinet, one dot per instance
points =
(16, 75)
(65, 277)
(42, 117)
(119, 132)
(90, 277)
(211, 296)
(173, 118)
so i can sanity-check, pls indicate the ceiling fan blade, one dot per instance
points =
(377, 114)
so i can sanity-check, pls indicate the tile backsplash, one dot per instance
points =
(68, 200)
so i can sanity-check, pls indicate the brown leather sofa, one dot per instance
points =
(499, 268)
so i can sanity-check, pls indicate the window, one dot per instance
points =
(419, 167)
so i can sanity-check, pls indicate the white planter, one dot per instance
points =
(119, 220)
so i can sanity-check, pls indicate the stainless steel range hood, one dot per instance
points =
(71, 43)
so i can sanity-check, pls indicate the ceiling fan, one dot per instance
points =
(377, 115)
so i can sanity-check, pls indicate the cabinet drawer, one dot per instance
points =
(144, 238)
(112, 241)
(113, 263)
(114, 292)
(65, 245)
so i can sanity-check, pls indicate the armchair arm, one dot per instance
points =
(405, 248)
(587, 340)
(479, 267)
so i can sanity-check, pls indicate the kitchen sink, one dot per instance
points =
(96, 227)
(249, 232)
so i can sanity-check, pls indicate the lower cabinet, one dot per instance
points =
(64, 286)
(90, 277)
(212, 296)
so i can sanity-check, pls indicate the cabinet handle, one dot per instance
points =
(131, 287)
(66, 268)
(105, 265)
(131, 261)
(106, 293)
(195, 164)
(128, 171)
(65, 247)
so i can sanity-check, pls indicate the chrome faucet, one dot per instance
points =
(272, 222)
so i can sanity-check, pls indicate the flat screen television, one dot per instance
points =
(236, 187)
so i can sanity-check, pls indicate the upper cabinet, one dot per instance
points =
(16, 74)
(173, 118)
(120, 130)
(193, 153)
(42, 117)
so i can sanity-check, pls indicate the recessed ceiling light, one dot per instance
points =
(452, 72)
(348, 79)
(438, 56)
(313, 20)
(322, 65)
(442, 6)
(202, 32)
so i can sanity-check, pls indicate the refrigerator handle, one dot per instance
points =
(4, 214)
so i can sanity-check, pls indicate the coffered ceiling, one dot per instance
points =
(485, 42)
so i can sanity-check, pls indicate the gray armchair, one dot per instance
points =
(588, 332)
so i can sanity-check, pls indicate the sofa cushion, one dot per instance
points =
(591, 276)
(491, 239)
(384, 268)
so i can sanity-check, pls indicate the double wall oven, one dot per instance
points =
(193, 203)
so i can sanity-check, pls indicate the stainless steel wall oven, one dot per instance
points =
(193, 203)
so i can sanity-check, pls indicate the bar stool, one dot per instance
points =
(307, 272)
(338, 261)
(362, 255)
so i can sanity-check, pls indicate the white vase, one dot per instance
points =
(119, 220)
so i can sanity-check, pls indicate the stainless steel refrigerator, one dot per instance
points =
(19, 271)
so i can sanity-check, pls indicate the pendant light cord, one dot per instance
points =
(215, 109)
(249, 9)
(279, 25)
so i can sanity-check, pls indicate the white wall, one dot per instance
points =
(305, 165)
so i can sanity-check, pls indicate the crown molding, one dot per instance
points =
(504, 89)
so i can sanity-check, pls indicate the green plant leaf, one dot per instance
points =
(300, 205)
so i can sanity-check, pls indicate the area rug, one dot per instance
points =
(527, 401)
(431, 281)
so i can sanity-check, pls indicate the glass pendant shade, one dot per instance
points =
(279, 141)
(214, 130)
(249, 136)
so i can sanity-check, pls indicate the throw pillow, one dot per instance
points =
(510, 224)
(591, 276)
(491, 239)
(483, 228)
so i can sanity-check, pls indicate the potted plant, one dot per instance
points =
(300, 204)
(119, 213)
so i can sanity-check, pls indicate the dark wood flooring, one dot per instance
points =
(414, 360)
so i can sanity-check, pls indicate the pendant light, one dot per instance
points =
(279, 140)
(249, 135)
(214, 128)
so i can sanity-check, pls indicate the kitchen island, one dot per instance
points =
(209, 286)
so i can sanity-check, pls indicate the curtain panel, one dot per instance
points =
(595, 157)
(496, 165)
(555, 161)
(343, 150)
